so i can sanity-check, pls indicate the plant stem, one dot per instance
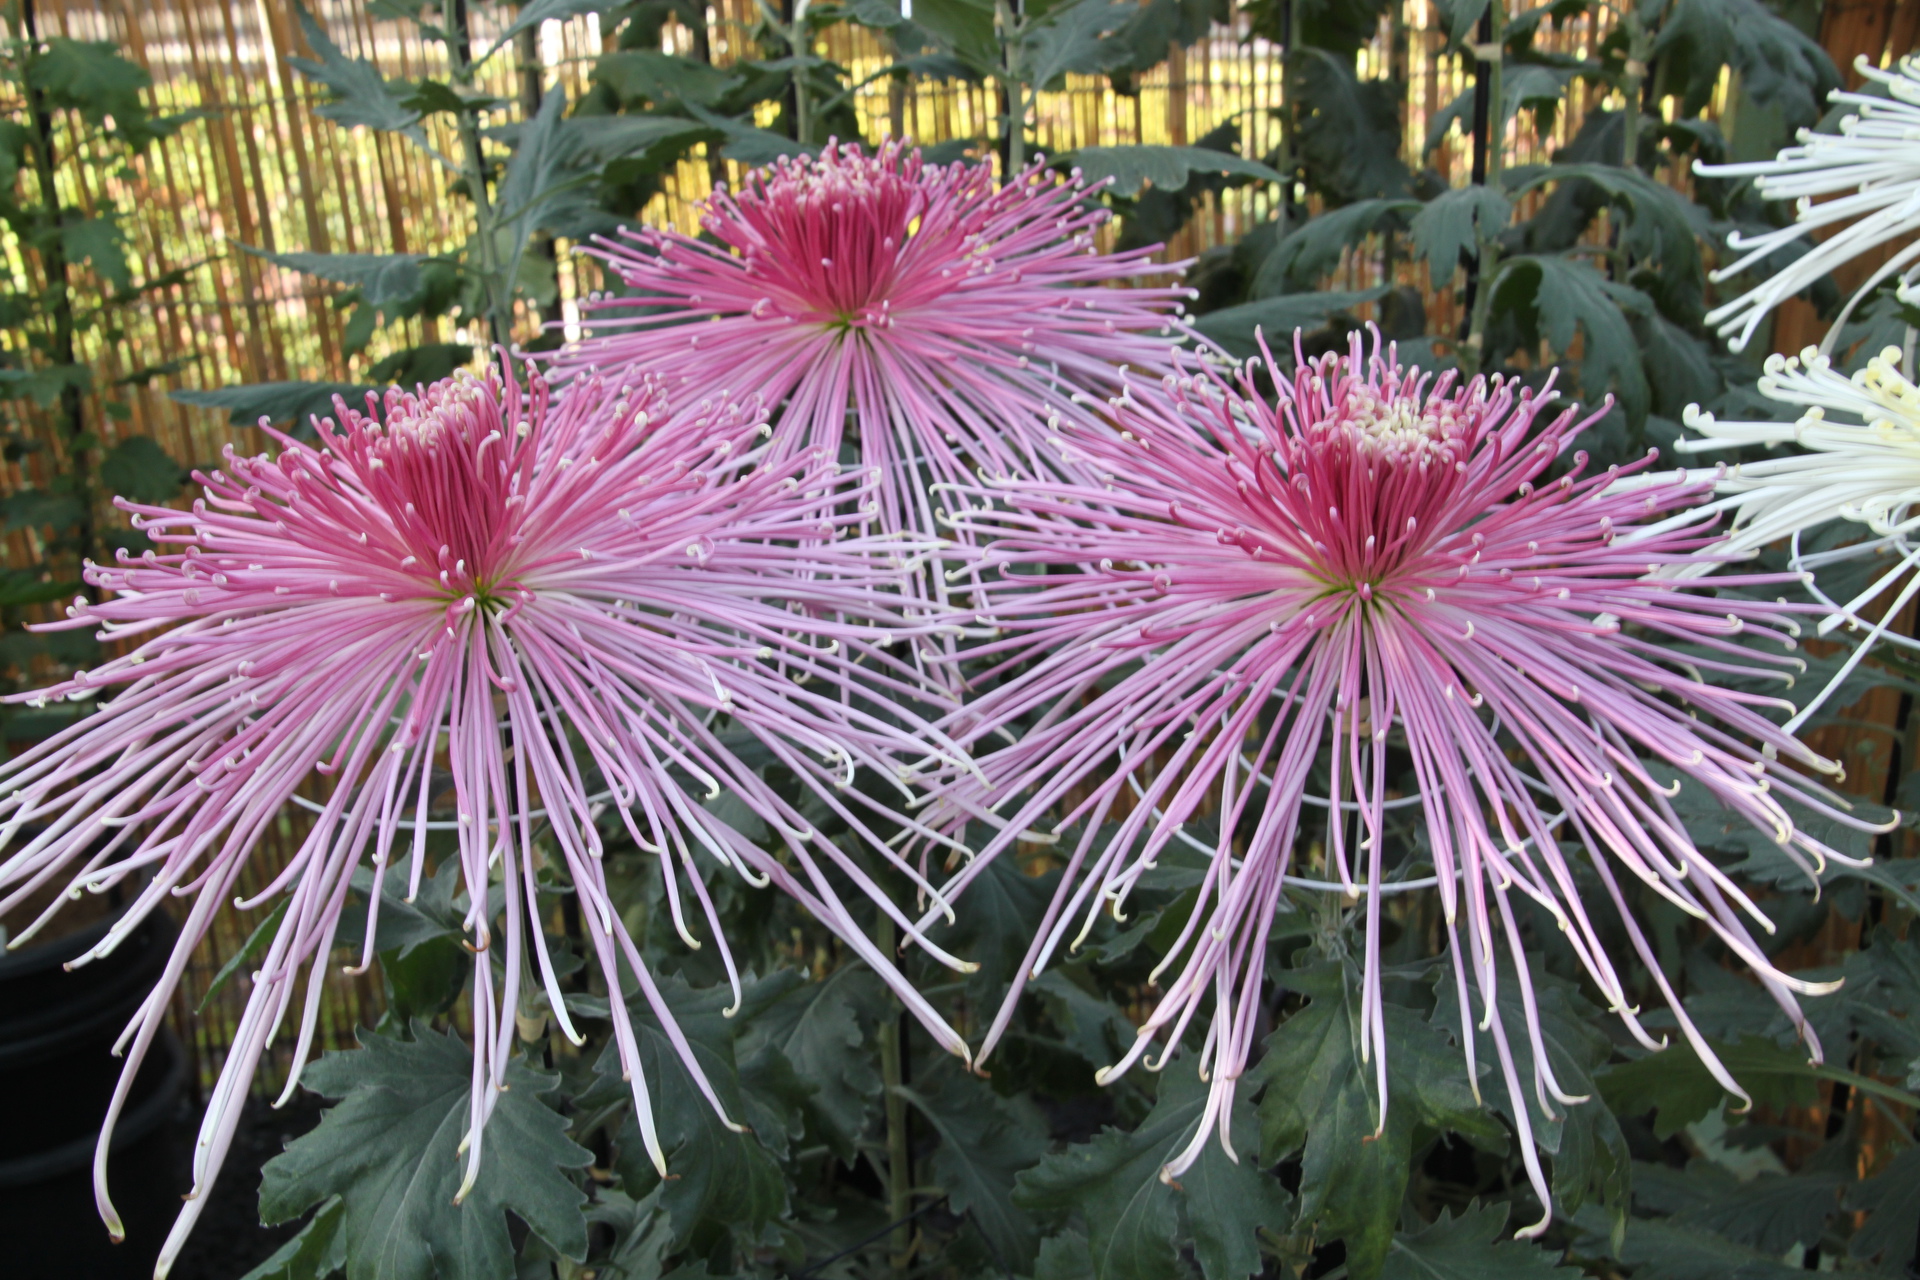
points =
(1489, 161)
(499, 324)
(1287, 121)
(59, 273)
(1010, 24)
(899, 1151)
(533, 92)
(802, 100)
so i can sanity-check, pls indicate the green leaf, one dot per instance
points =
(1227, 1203)
(1680, 368)
(1092, 1026)
(966, 27)
(1665, 1250)
(1164, 168)
(1778, 64)
(101, 244)
(1142, 42)
(437, 911)
(1235, 327)
(433, 97)
(717, 1178)
(535, 12)
(1891, 1199)
(1064, 1257)
(44, 386)
(1676, 1084)
(427, 363)
(390, 1150)
(139, 470)
(1454, 223)
(537, 172)
(1133, 1218)
(280, 403)
(659, 79)
(822, 1029)
(38, 509)
(1349, 128)
(1319, 1100)
(1070, 38)
(319, 1251)
(1468, 1248)
(95, 79)
(1713, 826)
(1770, 1212)
(381, 277)
(361, 95)
(1657, 224)
(1315, 247)
(1589, 1152)
(144, 375)
(252, 949)
(1553, 297)
(32, 586)
(642, 1237)
(985, 1142)
(1540, 89)
(748, 143)
(1461, 17)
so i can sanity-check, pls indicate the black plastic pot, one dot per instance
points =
(57, 1075)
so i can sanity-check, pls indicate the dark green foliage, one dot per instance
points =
(390, 1150)
(1133, 1216)
(1164, 168)
(985, 1143)
(1322, 1102)
(361, 95)
(1469, 1247)
(1778, 64)
(285, 404)
(76, 123)
(318, 1251)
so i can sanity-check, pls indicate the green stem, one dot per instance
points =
(1489, 268)
(1010, 25)
(1286, 161)
(499, 320)
(532, 93)
(899, 1156)
(1639, 49)
(59, 273)
(802, 46)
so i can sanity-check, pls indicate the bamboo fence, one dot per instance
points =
(260, 168)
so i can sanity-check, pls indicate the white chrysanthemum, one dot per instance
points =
(1863, 467)
(1872, 167)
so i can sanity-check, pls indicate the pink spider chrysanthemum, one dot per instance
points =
(944, 317)
(472, 582)
(1379, 564)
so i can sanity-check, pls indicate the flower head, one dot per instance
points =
(1872, 166)
(952, 317)
(1379, 572)
(468, 581)
(1863, 465)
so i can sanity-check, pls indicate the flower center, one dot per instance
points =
(828, 236)
(1400, 429)
(444, 470)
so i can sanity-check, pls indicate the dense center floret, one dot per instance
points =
(447, 472)
(1401, 429)
(830, 233)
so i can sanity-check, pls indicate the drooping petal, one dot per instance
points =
(533, 599)
(1256, 587)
